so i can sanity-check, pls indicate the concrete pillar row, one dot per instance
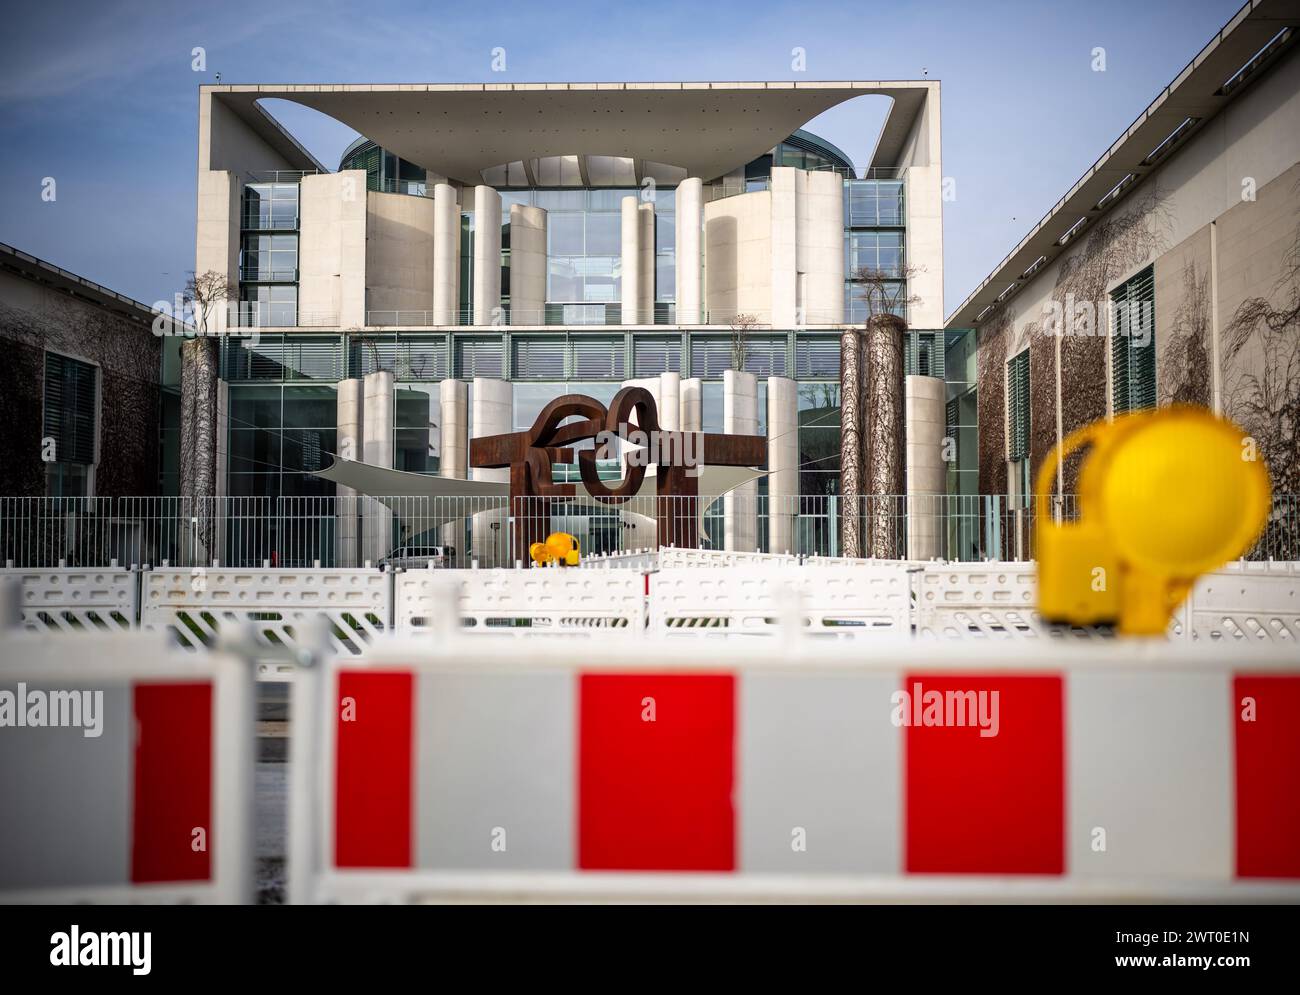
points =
(782, 463)
(740, 417)
(629, 244)
(487, 256)
(446, 255)
(377, 450)
(690, 225)
(493, 409)
(924, 427)
(527, 264)
(350, 446)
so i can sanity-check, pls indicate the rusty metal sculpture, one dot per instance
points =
(531, 455)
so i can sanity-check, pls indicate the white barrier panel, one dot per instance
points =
(126, 771)
(676, 557)
(452, 770)
(67, 600)
(848, 602)
(978, 599)
(553, 601)
(1246, 601)
(195, 604)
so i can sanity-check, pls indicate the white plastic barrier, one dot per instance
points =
(126, 771)
(845, 603)
(1244, 601)
(452, 769)
(70, 599)
(194, 605)
(977, 599)
(541, 601)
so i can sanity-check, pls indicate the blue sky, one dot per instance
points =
(103, 99)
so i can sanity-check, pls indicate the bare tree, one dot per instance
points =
(880, 385)
(741, 325)
(203, 294)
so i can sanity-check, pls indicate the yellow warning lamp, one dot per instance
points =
(1164, 496)
(559, 547)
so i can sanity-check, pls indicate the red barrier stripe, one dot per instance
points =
(656, 771)
(372, 801)
(172, 795)
(987, 805)
(1268, 775)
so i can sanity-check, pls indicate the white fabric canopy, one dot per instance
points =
(388, 487)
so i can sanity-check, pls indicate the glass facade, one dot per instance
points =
(268, 256)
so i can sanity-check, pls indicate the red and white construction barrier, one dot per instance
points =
(795, 769)
(126, 771)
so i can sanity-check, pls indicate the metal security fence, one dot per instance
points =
(460, 532)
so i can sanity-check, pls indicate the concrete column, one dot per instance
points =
(692, 405)
(630, 241)
(332, 249)
(740, 417)
(819, 262)
(493, 404)
(351, 407)
(646, 253)
(487, 256)
(785, 227)
(217, 235)
(453, 396)
(782, 463)
(446, 255)
(669, 401)
(377, 447)
(690, 226)
(527, 264)
(926, 472)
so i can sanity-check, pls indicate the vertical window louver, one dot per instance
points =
(1132, 343)
(1018, 406)
(69, 416)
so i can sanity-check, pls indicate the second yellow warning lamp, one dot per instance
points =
(559, 548)
(1164, 496)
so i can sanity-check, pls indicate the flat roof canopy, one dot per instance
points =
(458, 130)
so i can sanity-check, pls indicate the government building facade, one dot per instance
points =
(484, 249)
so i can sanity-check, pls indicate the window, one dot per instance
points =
(710, 357)
(270, 206)
(1132, 343)
(269, 258)
(478, 358)
(538, 357)
(868, 203)
(652, 356)
(597, 356)
(817, 357)
(1018, 406)
(765, 357)
(69, 420)
(268, 305)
